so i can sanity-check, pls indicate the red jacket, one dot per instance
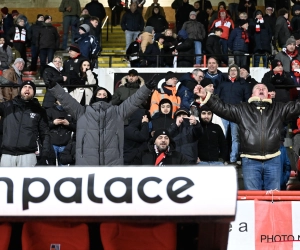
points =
(226, 24)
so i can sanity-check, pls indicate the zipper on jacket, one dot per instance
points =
(82, 143)
(17, 142)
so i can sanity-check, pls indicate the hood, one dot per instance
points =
(154, 14)
(183, 34)
(162, 101)
(160, 83)
(222, 11)
(51, 64)
(140, 80)
(93, 99)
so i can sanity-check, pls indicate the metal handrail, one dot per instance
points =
(105, 22)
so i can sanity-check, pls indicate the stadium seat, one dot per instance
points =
(64, 236)
(5, 232)
(123, 236)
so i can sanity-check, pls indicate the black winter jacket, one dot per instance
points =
(132, 21)
(48, 37)
(212, 144)
(186, 139)
(151, 53)
(33, 32)
(158, 22)
(148, 156)
(213, 46)
(24, 123)
(60, 134)
(186, 50)
(259, 129)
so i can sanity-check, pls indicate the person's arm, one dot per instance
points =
(9, 55)
(222, 143)
(44, 134)
(137, 135)
(79, 9)
(68, 102)
(62, 7)
(174, 128)
(232, 36)
(115, 100)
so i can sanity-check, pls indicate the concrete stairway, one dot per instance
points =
(114, 44)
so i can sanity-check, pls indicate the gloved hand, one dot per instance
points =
(152, 83)
(43, 161)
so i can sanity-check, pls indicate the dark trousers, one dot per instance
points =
(44, 55)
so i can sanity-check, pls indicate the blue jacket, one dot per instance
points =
(236, 42)
(132, 21)
(234, 92)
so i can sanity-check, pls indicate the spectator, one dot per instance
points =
(247, 6)
(7, 20)
(183, 14)
(295, 22)
(277, 76)
(85, 77)
(288, 54)
(196, 32)
(186, 130)
(161, 151)
(116, 7)
(84, 18)
(5, 54)
(270, 17)
(295, 74)
(213, 46)
(261, 35)
(282, 28)
(52, 72)
(18, 38)
(128, 86)
(87, 43)
(147, 37)
(233, 90)
(71, 65)
(212, 15)
(48, 42)
(97, 9)
(212, 146)
(157, 21)
(13, 74)
(201, 15)
(33, 37)
(154, 54)
(132, 23)
(239, 41)
(163, 118)
(136, 135)
(166, 89)
(150, 9)
(261, 164)
(25, 122)
(245, 74)
(71, 12)
(16, 16)
(185, 50)
(186, 88)
(61, 127)
(222, 6)
(93, 23)
(134, 52)
(212, 72)
(102, 145)
(170, 44)
(225, 22)
(208, 85)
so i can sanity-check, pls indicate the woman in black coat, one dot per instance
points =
(52, 72)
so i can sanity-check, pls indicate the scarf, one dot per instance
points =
(245, 36)
(20, 36)
(290, 54)
(232, 79)
(160, 46)
(160, 156)
(258, 25)
(289, 25)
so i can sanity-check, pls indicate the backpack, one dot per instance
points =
(95, 46)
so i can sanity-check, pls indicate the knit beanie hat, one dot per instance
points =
(19, 59)
(181, 111)
(170, 75)
(204, 108)
(39, 15)
(29, 83)
(85, 27)
(193, 13)
(275, 63)
(47, 17)
(290, 40)
(258, 12)
(14, 13)
(241, 22)
(205, 82)
(246, 67)
(74, 47)
(159, 132)
(4, 10)
(148, 29)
